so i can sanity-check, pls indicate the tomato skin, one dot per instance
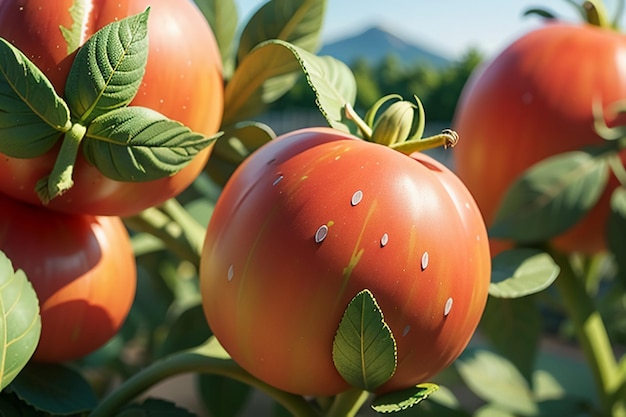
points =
(183, 81)
(532, 101)
(274, 297)
(82, 268)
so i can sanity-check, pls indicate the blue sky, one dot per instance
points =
(448, 26)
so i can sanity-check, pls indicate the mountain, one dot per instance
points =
(375, 44)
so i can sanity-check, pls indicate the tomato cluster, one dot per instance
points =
(313, 218)
(76, 251)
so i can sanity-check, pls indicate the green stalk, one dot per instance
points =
(173, 225)
(348, 403)
(593, 338)
(60, 179)
(208, 358)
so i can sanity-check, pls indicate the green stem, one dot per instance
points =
(208, 358)
(60, 178)
(593, 338)
(447, 138)
(171, 223)
(351, 114)
(596, 13)
(348, 403)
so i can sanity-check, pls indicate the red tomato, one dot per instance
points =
(183, 81)
(316, 216)
(82, 269)
(534, 100)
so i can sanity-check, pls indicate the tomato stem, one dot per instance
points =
(60, 179)
(348, 403)
(171, 223)
(447, 138)
(593, 337)
(596, 13)
(208, 358)
(364, 128)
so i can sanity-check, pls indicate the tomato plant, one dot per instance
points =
(182, 81)
(82, 269)
(316, 216)
(536, 99)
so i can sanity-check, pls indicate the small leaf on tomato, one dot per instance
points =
(55, 389)
(20, 324)
(401, 400)
(520, 272)
(140, 144)
(32, 115)
(550, 197)
(616, 226)
(364, 349)
(108, 68)
(255, 84)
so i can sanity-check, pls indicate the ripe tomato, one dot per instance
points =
(82, 269)
(534, 100)
(316, 216)
(183, 81)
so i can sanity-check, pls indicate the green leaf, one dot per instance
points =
(616, 231)
(222, 17)
(364, 349)
(269, 71)
(520, 272)
(12, 406)
(152, 407)
(513, 327)
(237, 143)
(223, 396)
(401, 400)
(140, 144)
(189, 329)
(496, 380)
(550, 197)
(20, 324)
(108, 68)
(54, 388)
(32, 115)
(298, 22)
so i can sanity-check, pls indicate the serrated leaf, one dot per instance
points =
(401, 400)
(108, 68)
(140, 144)
(20, 324)
(496, 380)
(513, 327)
(270, 69)
(298, 22)
(237, 143)
(222, 17)
(32, 115)
(616, 231)
(153, 407)
(520, 272)
(550, 197)
(364, 349)
(55, 389)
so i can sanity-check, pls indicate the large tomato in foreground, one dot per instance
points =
(313, 218)
(532, 101)
(183, 81)
(82, 269)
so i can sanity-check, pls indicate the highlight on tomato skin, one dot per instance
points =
(82, 269)
(183, 81)
(313, 218)
(534, 100)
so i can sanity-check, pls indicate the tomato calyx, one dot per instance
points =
(400, 126)
(592, 12)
